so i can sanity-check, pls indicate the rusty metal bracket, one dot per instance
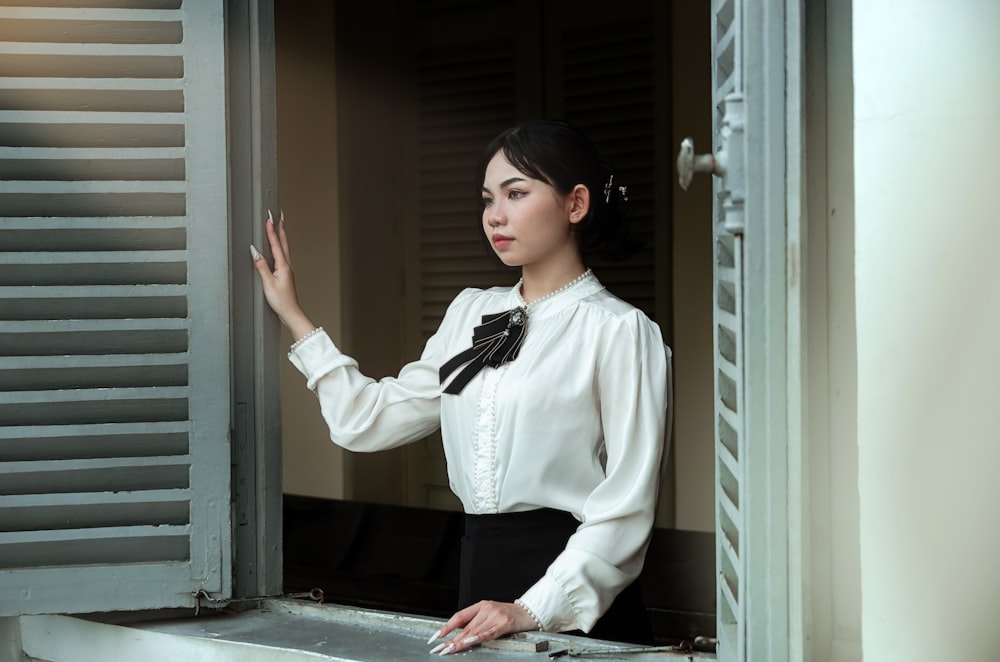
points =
(201, 595)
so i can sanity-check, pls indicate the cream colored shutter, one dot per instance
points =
(114, 343)
(728, 339)
(755, 98)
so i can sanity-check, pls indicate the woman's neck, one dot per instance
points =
(537, 283)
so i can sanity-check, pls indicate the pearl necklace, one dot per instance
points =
(535, 302)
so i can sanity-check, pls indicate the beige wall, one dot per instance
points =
(694, 445)
(927, 108)
(307, 184)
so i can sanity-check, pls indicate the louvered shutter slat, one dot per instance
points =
(114, 393)
(728, 341)
(152, 507)
(105, 546)
(728, 589)
(19, 372)
(93, 441)
(78, 406)
(57, 302)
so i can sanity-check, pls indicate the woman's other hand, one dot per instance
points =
(483, 621)
(279, 284)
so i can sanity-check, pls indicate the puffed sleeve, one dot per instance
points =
(364, 414)
(608, 549)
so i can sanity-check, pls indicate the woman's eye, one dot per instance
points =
(487, 202)
(515, 194)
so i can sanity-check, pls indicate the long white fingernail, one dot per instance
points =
(448, 649)
(438, 647)
(436, 635)
(281, 215)
(269, 217)
(254, 253)
(470, 640)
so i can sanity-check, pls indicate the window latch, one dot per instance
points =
(727, 163)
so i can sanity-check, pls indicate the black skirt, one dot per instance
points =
(504, 554)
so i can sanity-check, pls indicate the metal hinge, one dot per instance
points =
(202, 598)
(733, 156)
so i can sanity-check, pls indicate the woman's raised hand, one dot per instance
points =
(279, 284)
(483, 621)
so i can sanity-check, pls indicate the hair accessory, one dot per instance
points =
(494, 342)
(610, 186)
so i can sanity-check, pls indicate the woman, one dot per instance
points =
(551, 398)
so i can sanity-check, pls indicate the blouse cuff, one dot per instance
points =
(550, 606)
(538, 623)
(316, 355)
(295, 345)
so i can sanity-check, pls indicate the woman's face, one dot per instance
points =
(526, 221)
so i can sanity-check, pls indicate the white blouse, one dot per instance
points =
(575, 423)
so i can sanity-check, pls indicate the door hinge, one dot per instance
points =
(732, 155)
(203, 598)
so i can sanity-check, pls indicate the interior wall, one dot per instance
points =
(694, 439)
(370, 130)
(842, 461)
(307, 185)
(928, 309)
(834, 571)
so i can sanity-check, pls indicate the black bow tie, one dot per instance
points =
(494, 342)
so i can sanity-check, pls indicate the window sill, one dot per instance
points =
(282, 631)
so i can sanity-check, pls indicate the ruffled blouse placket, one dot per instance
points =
(485, 467)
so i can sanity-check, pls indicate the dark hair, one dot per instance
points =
(562, 156)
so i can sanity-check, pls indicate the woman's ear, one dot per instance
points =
(578, 202)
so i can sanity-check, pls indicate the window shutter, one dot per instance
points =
(728, 339)
(466, 92)
(114, 306)
(608, 84)
(465, 98)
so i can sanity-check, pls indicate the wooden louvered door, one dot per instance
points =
(114, 342)
(475, 76)
(607, 72)
(466, 91)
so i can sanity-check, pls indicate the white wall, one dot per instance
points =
(927, 110)
(833, 566)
